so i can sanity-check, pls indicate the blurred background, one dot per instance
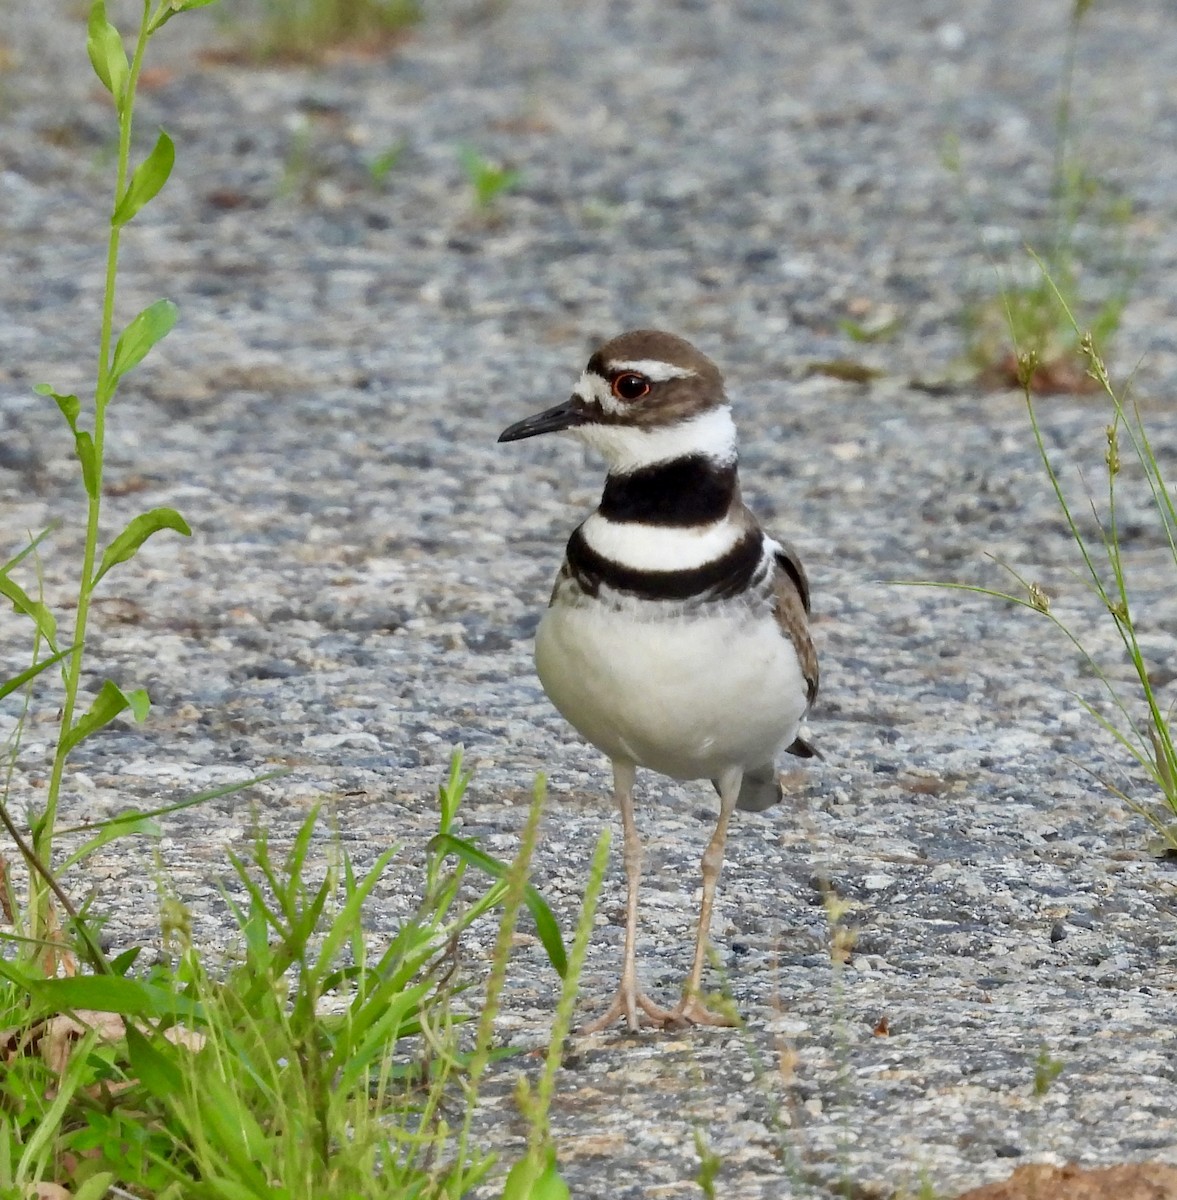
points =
(835, 187)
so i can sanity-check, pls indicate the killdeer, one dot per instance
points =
(677, 633)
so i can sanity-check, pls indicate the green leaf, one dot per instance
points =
(33, 609)
(348, 917)
(122, 963)
(18, 977)
(71, 409)
(106, 51)
(110, 701)
(550, 1185)
(110, 833)
(84, 445)
(546, 924)
(70, 406)
(18, 681)
(168, 11)
(232, 1131)
(386, 1020)
(381, 166)
(136, 533)
(149, 177)
(156, 1069)
(96, 1187)
(152, 325)
(858, 332)
(227, 789)
(109, 993)
(25, 551)
(534, 1179)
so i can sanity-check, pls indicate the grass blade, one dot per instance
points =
(18, 681)
(546, 924)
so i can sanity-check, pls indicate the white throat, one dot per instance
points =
(629, 448)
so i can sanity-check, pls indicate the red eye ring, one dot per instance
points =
(630, 386)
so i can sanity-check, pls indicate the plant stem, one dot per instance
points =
(516, 882)
(539, 1134)
(45, 826)
(1064, 209)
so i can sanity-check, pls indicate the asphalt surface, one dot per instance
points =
(367, 565)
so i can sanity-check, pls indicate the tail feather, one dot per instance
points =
(803, 749)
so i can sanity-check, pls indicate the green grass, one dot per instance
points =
(1135, 717)
(315, 1060)
(1086, 219)
(488, 180)
(1046, 1070)
(310, 1062)
(305, 31)
(381, 166)
(80, 717)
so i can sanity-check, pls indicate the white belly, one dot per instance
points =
(689, 696)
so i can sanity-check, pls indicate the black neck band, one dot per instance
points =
(695, 490)
(719, 579)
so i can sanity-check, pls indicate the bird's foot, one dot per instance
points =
(692, 1011)
(627, 1003)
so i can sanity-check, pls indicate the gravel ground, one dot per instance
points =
(367, 566)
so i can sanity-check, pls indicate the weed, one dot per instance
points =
(300, 166)
(1028, 309)
(308, 1064)
(710, 1165)
(1149, 737)
(305, 30)
(36, 925)
(927, 1189)
(536, 1175)
(842, 939)
(304, 1065)
(381, 166)
(1046, 1071)
(871, 332)
(488, 179)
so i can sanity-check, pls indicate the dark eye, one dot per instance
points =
(630, 386)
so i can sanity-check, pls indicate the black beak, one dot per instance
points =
(551, 420)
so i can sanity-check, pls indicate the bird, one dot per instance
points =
(677, 634)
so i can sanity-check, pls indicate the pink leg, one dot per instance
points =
(691, 1010)
(630, 998)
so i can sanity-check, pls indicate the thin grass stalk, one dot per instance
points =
(538, 1134)
(1161, 763)
(1143, 448)
(438, 1069)
(1065, 213)
(1110, 543)
(43, 839)
(10, 909)
(512, 902)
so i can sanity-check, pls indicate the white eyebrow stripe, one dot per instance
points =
(652, 368)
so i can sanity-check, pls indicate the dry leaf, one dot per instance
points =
(48, 1191)
(59, 1034)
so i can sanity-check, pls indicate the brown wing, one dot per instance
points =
(789, 561)
(791, 608)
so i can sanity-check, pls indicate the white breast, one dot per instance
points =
(689, 696)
